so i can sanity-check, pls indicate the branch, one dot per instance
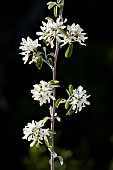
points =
(54, 92)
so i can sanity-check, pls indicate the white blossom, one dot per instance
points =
(34, 132)
(78, 99)
(50, 30)
(28, 46)
(74, 34)
(42, 92)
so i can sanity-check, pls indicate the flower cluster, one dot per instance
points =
(73, 34)
(51, 30)
(28, 46)
(78, 99)
(35, 133)
(43, 92)
(56, 30)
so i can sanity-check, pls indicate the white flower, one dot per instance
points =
(80, 36)
(42, 92)
(28, 46)
(34, 132)
(78, 99)
(74, 33)
(50, 30)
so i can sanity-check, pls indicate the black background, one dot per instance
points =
(90, 66)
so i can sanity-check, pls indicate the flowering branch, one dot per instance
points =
(56, 34)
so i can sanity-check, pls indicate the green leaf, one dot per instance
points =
(38, 53)
(63, 32)
(46, 43)
(52, 54)
(48, 142)
(48, 18)
(50, 61)
(54, 82)
(58, 1)
(37, 144)
(70, 89)
(67, 104)
(51, 4)
(39, 62)
(70, 111)
(55, 11)
(45, 119)
(51, 131)
(58, 102)
(69, 51)
(60, 6)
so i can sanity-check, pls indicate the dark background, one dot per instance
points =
(89, 133)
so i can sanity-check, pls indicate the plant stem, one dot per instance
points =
(54, 93)
(54, 108)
